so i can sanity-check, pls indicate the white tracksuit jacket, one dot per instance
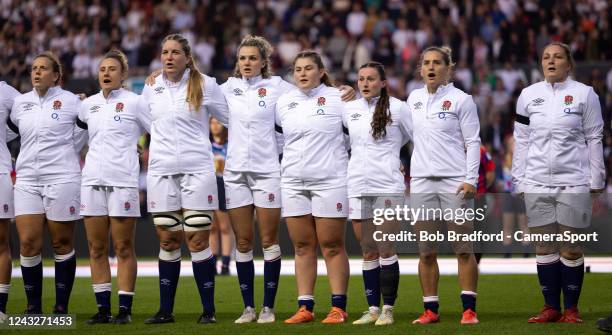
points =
(252, 142)
(558, 136)
(7, 97)
(374, 166)
(114, 125)
(50, 139)
(445, 134)
(180, 140)
(314, 151)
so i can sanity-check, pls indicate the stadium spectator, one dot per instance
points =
(221, 237)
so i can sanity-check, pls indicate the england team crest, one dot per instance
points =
(261, 92)
(321, 101)
(119, 107)
(57, 105)
(446, 105)
(568, 100)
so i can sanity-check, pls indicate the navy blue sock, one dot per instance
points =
(389, 282)
(215, 260)
(169, 272)
(572, 276)
(225, 260)
(204, 274)
(271, 274)
(65, 269)
(32, 274)
(246, 275)
(3, 300)
(125, 301)
(371, 284)
(339, 300)
(468, 300)
(433, 306)
(103, 297)
(306, 302)
(549, 275)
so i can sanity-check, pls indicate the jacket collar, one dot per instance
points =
(313, 91)
(112, 94)
(51, 92)
(557, 86)
(252, 80)
(441, 89)
(184, 79)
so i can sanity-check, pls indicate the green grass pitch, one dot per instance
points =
(504, 304)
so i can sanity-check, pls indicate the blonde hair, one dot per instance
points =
(120, 57)
(194, 87)
(265, 51)
(447, 57)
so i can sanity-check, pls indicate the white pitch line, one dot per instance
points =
(448, 266)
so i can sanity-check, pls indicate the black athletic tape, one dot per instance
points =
(198, 216)
(178, 222)
(389, 282)
(522, 119)
(81, 124)
(12, 126)
(345, 130)
(278, 128)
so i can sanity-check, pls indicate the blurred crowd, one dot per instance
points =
(496, 43)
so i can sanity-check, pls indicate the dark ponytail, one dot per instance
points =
(382, 113)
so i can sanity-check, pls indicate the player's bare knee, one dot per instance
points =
(571, 254)
(244, 244)
(267, 242)
(98, 251)
(124, 249)
(332, 248)
(428, 257)
(464, 257)
(370, 255)
(169, 243)
(304, 248)
(197, 244)
(546, 248)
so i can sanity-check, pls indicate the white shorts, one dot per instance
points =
(246, 188)
(59, 202)
(362, 208)
(434, 193)
(330, 203)
(188, 191)
(110, 200)
(7, 209)
(570, 206)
